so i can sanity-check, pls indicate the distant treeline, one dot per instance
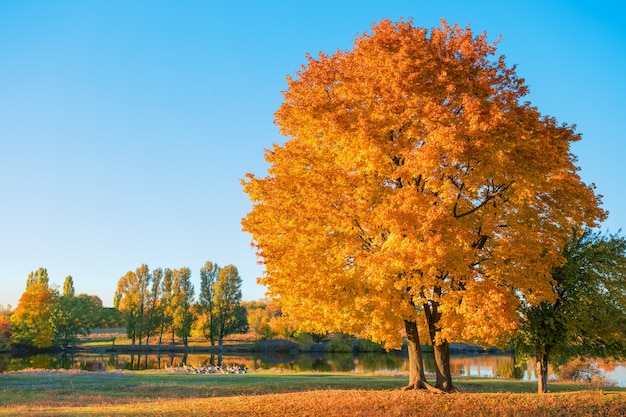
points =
(45, 317)
(149, 304)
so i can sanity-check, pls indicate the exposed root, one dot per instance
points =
(423, 385)
(409, 387)
(448, 389)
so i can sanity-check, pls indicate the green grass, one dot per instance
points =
(163, 392)
(63, 387)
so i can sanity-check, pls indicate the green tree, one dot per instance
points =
(588, 318)
(73, 315)
(206, 305)
(31, 322)
(166, 305)
(182, 302)
(230, 315)
(109, 317)
(154, 304)
(144, 277)
(68, 286)
(40, 276)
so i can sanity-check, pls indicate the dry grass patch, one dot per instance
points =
(360, 403)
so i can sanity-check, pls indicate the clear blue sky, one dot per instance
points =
(125, 126)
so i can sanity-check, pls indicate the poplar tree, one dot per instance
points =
(182, 302)
(206, 306)
(230, 315)
(132, 299)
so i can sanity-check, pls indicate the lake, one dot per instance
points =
(476, 365)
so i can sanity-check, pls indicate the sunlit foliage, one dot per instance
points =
(415, 179)
(182, 301)
(131, 299)
(5, 328)
(31, 322)
(206, 305)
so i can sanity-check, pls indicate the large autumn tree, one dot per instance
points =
(414, 181)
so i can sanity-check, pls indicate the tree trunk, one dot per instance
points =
(541, 366)
(441, 349)
(220, 337)
(442, 365)
(417, 378)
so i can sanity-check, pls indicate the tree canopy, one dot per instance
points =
(588, 317)
(230, 315)
(182, 301)
(32, 322)
(131, 298)
(415, 180)
(73, 315)
(206, 305)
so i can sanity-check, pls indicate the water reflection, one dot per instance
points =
(476, 365)
(487, 365)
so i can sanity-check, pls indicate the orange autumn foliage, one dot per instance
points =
(414, 173)
(31, 322)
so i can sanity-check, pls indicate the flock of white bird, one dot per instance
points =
(209, 369)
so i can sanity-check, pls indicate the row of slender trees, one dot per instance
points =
(161, 303)
(149, 303)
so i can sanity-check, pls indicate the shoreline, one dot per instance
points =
(283, 346)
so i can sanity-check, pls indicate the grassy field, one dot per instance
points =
(148, 393)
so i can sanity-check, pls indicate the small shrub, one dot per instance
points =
(277, 346)
(305, 340)
(341, 343)
(581, 371)
(365, 345)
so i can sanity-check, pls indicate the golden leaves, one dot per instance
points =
(411, 164)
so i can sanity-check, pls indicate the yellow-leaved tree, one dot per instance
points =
(415, 186)
(32, 321)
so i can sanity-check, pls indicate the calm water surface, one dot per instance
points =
(482, 365)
